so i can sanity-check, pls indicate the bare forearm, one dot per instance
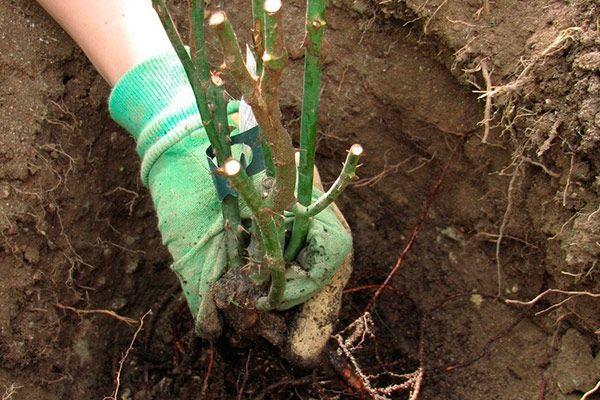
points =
(114, 34)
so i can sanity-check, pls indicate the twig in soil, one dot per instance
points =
(566, 191)
(209, 370)
(126, 320)
(548, 142)
(433, 15)
(487, 111)
(10, 391)
(505, 218)
(125, 355)
(551, 291)
(590, 392)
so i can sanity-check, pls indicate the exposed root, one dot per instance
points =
(117, 384)
(387, 170)
(10, 391)
(542, 166)
(416, 230)
(241, 387)
(566, 191)
(351, 340)
(493, 237)
(69, 126)
(209, 370)
(433, 15)
(551, 291)
(487, 347)
(502, 228)
(492, 91)
(484, 9)
(593, 214)
(563, 226)
(487, 111)
(112, 314)
(590, 392)
(130, 203)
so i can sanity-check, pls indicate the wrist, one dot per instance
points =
(153, 99)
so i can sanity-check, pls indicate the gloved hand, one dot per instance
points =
(155, 104)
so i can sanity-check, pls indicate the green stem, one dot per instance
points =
(197, 40)
(198, 73)
(303, 213)
(346, 176)
(274, 55)
(192, 74)
(267, 225)
(258, 16)
(315, 29)
(230, 204)
(274, 60)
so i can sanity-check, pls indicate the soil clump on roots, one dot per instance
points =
(503, 96)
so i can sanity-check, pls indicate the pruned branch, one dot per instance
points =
(262, 98)
(303, 214)
(273, 260)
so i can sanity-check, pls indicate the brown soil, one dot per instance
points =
(78, 229)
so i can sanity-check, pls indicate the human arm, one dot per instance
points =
(116, 35)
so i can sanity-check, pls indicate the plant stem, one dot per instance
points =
(274, 55)
(315, 29)
(274, 60)
(263, 217)
(197, 41)
(265, 107)
(258, 16)
(230, 204)
(347, 174)
(206, 94)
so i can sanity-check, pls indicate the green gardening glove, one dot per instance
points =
(155, 104)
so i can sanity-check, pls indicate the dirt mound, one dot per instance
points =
(517, 212)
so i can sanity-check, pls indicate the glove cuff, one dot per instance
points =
(155, 103)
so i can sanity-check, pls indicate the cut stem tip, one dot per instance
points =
(232, 167)
(272, 6)
(217, 18)
(356, 150)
